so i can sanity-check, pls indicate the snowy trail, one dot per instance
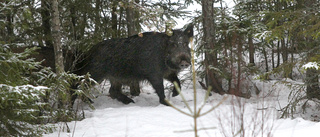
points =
(147, 118)
(133, 121)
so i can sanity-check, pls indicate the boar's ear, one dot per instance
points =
(189, 30)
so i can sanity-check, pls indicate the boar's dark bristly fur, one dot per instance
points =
(148, 56)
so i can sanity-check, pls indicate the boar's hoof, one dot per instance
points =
(123, 98)
(164, 102)
(174, 92)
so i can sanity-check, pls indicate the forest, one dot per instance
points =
(261, 40)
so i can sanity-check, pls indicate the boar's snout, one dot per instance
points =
(184, 61)
(184, 64)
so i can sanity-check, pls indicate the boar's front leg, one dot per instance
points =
(116, 93)
(157, 84)
(174, 78)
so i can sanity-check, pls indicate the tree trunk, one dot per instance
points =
(272, 55)
(209, 45)
(265, 58)
(121, 24)
(73, 20)
(3, 32)
(312, 82)
(284, 51)
(239, 54)
(45, 17)
(57, 38)
(7, 18)
(278, 54)
(251, 50)
(133, 28)
(82, 23)
(285, 56)
(97, 19)
(312, 75)
(9, 26)
(132, 20)
(114, 19)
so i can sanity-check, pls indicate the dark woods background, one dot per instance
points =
(268, 38)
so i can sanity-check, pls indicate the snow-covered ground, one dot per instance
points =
(254, 117)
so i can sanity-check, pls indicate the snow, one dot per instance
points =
(311, 65)
(297, 128)
(259, 116)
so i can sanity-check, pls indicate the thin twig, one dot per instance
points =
(223, 99)
(183, 98)
(178, 109)
(205, 100)
(191, 130)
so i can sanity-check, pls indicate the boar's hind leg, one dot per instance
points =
(115, 93)
(174, 78)
(134, 88)
(157, 84)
